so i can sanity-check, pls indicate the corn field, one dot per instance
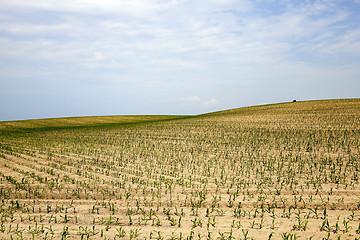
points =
(280, 171)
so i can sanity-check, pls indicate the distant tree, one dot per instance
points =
(294, 100)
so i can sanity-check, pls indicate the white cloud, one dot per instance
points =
(183, 38)
(27, 28)
(211, 102)
(130, 7)
(348, 43)
(196, 101)
(124, 6)
(192, 99)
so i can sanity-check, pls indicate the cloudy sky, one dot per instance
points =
(116, 57)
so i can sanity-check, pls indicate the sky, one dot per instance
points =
(134, 57)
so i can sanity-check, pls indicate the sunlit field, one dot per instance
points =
(280, 171)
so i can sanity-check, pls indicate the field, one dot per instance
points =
(280, 171)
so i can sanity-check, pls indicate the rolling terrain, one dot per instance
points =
(278, 171)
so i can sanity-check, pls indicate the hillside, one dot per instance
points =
(333, 113)
(344, 109)
(277, 171)
(81, 122)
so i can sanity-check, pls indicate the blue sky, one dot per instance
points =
(119, 57)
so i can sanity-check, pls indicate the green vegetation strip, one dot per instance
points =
(81, 122)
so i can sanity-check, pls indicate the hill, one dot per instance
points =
(81, 122)
(322, 114)
(284, 170)
(342, 108)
